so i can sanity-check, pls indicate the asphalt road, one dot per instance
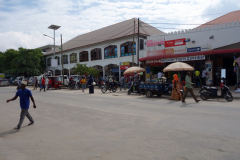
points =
(73, 125)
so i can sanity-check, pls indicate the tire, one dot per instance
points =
(129, 92)
(149, 94)
(103, 89)
(204, 96)
(59, 88)
(170, 91)
(228, 97)
(70, 88)
(114, 89)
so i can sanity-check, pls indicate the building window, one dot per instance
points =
(110, 52)
(96, 54)
(73, 58)
(141, 44)
(65, 59)
(49, 61)
(126, 49)
(58, 59)
(83, 56)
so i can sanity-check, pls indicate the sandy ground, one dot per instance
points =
(114, 126)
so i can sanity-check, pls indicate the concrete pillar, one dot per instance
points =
(119, 74)
(103, 72)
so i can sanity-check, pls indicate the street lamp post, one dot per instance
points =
(54, 27)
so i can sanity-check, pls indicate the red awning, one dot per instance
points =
(222, 51)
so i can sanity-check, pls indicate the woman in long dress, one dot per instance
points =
(176, 94)
(90, 85)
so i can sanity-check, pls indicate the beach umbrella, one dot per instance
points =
(132, 70)
(178, 66)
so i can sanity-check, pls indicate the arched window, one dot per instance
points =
(49, 61)
(83, 56)
(73, 58)
(126, 49)
(110, 52)
(96, 54)
(65, 59)
(58, 59)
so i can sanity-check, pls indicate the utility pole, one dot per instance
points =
(62, 57)
(133, 42)
(138, 46)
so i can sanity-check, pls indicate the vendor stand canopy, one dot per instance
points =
(178, 66)
(132, 70)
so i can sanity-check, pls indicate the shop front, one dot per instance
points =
(218, 64)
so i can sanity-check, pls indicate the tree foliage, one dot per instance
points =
(82, 69)
(27, 62)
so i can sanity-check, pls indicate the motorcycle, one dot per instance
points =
(107, 86)
(100, 84)
(133, 88)
(18, 87)
(211, 93)
(72, 85)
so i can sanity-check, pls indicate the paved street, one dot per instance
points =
(115, 126)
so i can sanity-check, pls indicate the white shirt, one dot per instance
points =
(204, 73)
(160, 75)
(46, 81)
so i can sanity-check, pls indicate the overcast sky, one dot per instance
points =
(23, 22)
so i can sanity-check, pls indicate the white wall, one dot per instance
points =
(103, 62)
(224, 34)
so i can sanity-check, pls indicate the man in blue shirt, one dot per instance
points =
(24, 95)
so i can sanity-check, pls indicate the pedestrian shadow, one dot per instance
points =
(7, 133)
(187, 105)
(10, 131)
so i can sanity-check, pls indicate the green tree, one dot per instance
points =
(6, 59)
(28, 62)
(82, 69)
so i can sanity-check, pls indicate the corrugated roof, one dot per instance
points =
(111, 32)
(229, 17)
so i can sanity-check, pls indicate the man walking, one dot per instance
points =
(83, 82)
(188, 88)
(24, 95)
(33, 83)
(36, 83)
(46, 83)
(43, 85)
(122, 83)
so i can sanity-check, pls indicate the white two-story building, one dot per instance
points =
(104, 49)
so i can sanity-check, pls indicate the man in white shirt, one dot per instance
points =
(46, 83)
(160, 74)
(204, 73)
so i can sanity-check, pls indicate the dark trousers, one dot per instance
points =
(204, 81)
(43, 87)
(91, 89)
(24, 113)
(123, 86)
(191, 92)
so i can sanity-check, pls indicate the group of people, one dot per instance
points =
(200, 78)
(83, 82)
(176, 94)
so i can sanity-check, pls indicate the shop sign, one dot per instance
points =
(155, 42)
(180, 59)
(175, 42)
(155, 53)
(153, 61)
(175, 50)
(124, 67)
(199, 49)
(124, 63)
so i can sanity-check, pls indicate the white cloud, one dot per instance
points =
(24, 25)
